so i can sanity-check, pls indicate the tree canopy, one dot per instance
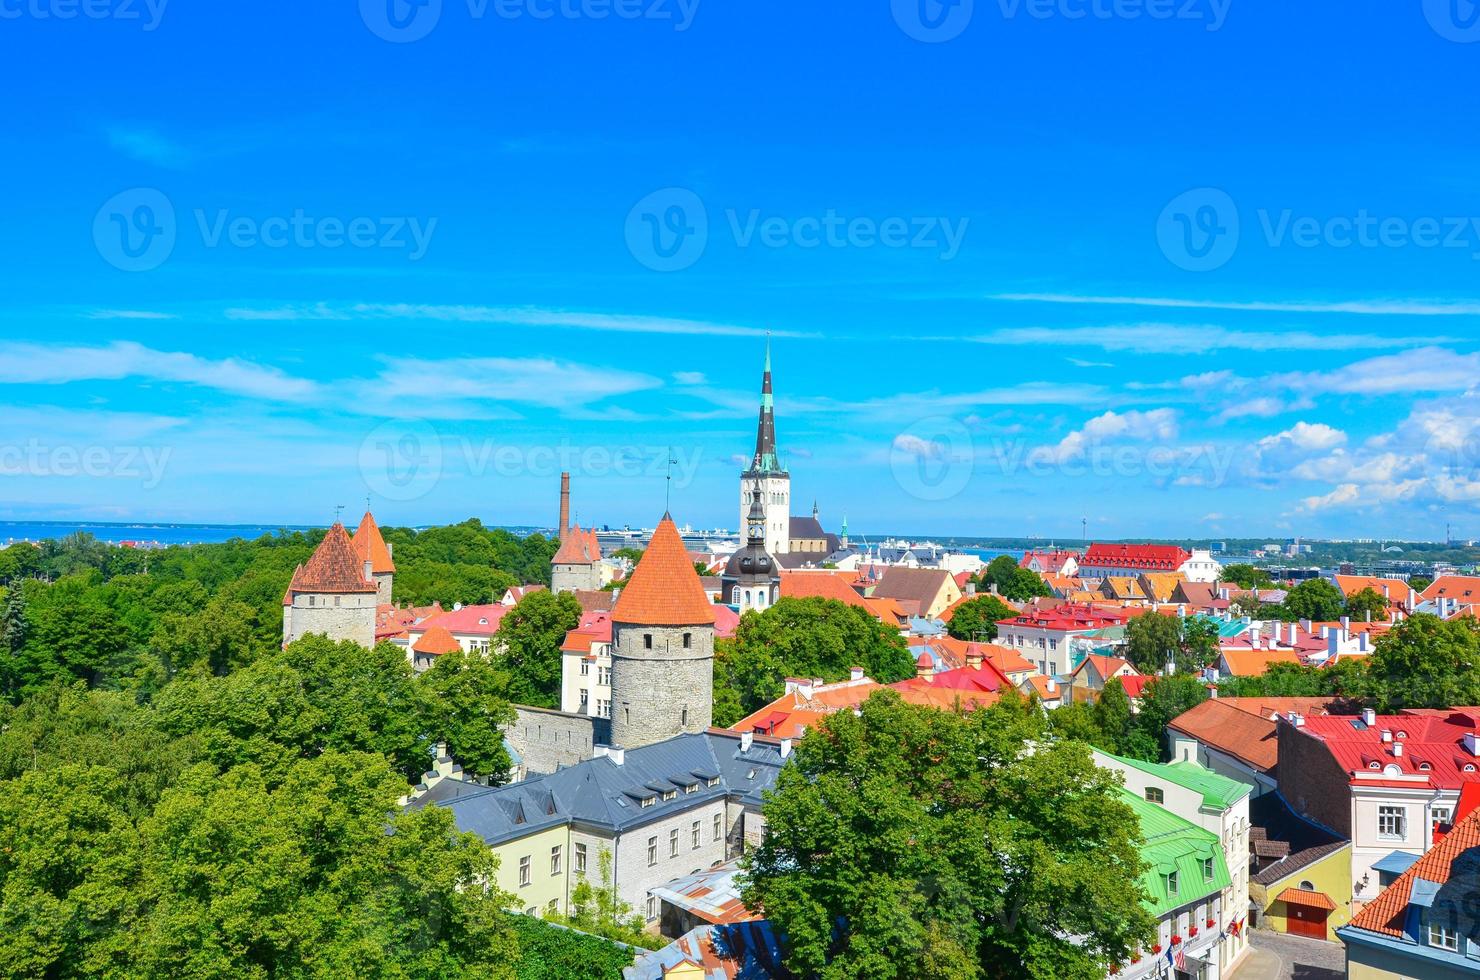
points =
(528, 643)
(1009, 854)
(977, 619)
(810, 637)
(1011, 580)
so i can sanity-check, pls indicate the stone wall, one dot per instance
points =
(661, 690)
(550, 739)
(339, 617)
(1311, 780)
(575, 577)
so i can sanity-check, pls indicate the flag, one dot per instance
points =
(1180, 963)
(1170, 960)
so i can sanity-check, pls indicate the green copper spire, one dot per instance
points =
(766, 459)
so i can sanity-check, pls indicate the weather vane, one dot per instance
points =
(668, 483)
(338, 510)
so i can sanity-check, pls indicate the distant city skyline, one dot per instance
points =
(1237, 303)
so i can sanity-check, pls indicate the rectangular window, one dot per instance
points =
(1155, 795)
(647, 641)
(1172, 883)
(1442, 814)
(652, 851)
(1442, 937)
(585, 668)
(555, 860)
(719, 830)
(687, 640)
(673, 842)
(524, 871)
(1391, 822)
(580, 859)
(697, 835)
(1207, 866)
(648, 801)
(652, 907)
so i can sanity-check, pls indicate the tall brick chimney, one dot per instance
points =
(564, 505)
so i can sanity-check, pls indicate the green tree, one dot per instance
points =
(1246, 576)
(1316, 600)
(1367, 604)
(598, 909)
(529, 640)
(1426, 662)
(1151, 640)
(218, 637)
(991, 861)
(1420, 583)
(810, 637)
(977, 619)
(467, 698)
(1162, 699)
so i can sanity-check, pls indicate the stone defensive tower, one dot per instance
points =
(371, 547)
(332, 594)
(662, 647)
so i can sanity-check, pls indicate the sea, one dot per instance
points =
(142, 534)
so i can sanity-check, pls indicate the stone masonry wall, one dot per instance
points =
(663, 691)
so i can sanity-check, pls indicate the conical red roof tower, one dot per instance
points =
(664, 589)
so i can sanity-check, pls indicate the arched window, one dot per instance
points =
(735, 595)
(1307, 886)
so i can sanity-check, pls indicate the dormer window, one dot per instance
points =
(1469, 767)
(648, 801)
(671, 794)
(713, 781)
(691, 788)
(1424, 767)
(1374, 765)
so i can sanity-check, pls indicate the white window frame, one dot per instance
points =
(1394, 817)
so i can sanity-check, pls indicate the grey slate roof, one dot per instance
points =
(601, 793)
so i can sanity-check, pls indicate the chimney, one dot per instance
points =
(564, 505)
(1362, 642)
(616, 753)
(974, 657)
(369, 572)
(746, 740)
(785, 747)
(1472, 743)
(1305, 624)
(971, 588)
(1369, 717)
(1397, 750)
(1053, 686)
(1387, 736)
(1334, 643)
(855, 673)
(1297, 719)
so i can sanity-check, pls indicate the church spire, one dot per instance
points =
(766, 460)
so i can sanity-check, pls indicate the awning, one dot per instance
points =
(1396, 863)
(1307, 899)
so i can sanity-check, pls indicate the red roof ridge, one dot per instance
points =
(664, 589)
(580, 547)
(335, 566)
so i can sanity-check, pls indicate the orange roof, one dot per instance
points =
(886, 610)
(1039, 684)
(370, 546)
(334, 567)
(1462, 587)
(1006, 659)
(1387, 912)
(1106, 667)
(820, 585)
(1230, 729)
(664, 589)
(1394, 589)
(1256, 663)
(579, 548)
(1306, 899)
(437, 641)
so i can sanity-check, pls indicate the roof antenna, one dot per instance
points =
(668, 484)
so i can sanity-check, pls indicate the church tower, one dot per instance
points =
(752, 579)
(766, 476)
(662, 647)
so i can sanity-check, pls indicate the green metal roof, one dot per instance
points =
(1175, 846)
(1218, 792)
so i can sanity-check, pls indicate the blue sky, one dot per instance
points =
(1195, 268)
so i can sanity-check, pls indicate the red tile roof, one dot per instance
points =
(334, 567)
(1386, 913)
(1461, 587)
(1144, 557)
(664, 589)
(1069, 617)
(1306, 899)
(1225, 727)
(1433, 746)
(820, 585)
(370, 546)
(580, 547)
(471, 620)
(436, 642)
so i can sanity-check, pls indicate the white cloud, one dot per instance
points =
(690, 377)
(913, 445)
(130, 315)
(1305, 437)
(1157, 425)
(533, 381)
(1425, 369)
(523, 315)
(1366, 307)
(1181, 338)
(25, 363)
(1257, 408)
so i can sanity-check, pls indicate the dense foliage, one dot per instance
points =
(1009, 854)
(1153, 639)
(1109, 723)
(529, 639)
(977, 619)
(548, 952)
(1011, 580)
(130, 619)
(810, 637)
